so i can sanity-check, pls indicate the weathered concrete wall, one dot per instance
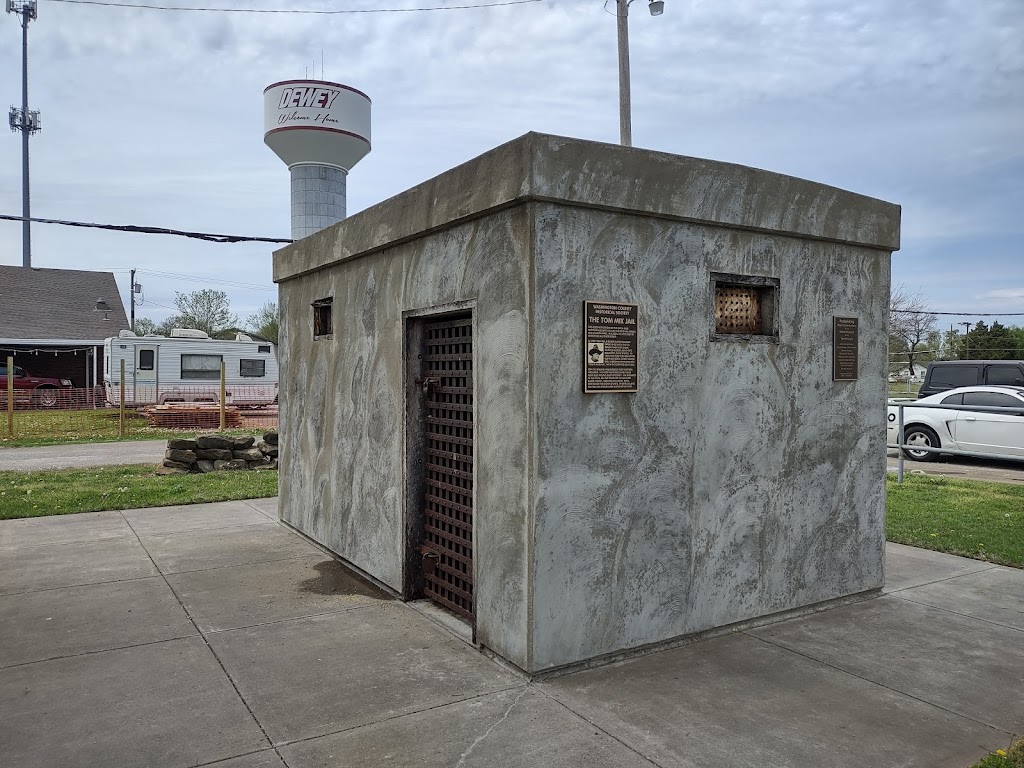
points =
(343, 430)
(740, 480)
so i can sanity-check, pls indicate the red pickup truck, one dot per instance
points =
(35, 390)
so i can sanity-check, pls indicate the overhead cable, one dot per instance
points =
(208, 236)
(955, 314)
(308, 11)
(200, 278)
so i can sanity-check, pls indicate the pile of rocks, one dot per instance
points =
(213, 453)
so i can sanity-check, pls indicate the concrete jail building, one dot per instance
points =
(592, 398)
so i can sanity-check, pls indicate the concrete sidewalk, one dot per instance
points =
(82, 455)
(210, 634)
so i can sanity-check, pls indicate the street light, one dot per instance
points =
(656, 7)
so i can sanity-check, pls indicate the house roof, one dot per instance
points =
(58, 304)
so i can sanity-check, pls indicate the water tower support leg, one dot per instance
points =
(318, 198)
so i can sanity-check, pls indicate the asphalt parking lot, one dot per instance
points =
(962, 468)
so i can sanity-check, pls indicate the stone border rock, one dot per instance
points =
(219, 452)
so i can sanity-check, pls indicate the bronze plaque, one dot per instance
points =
(609, 346)
(845, 348)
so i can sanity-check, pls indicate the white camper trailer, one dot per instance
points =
(185, 368)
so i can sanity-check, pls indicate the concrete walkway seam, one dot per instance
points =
(990, 567)
(286, 620)
(93, 653)
(221, 761)
(288, 743)
(586, 719)
(957, 613)
(206, 642)
(262, 512)
(882, 685)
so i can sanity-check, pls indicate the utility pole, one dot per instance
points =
(132, 292)
(25, 121)
(656, 7)
(625, 107)
(967, 338)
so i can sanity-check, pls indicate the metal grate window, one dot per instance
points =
(448, 510)
(744, 308)
(323, 323)
(737, 309)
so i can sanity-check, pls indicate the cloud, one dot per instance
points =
(156, 118)
(1013, 294)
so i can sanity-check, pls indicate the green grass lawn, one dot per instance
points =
(59, 492)
(59, 427)
(1013, 757)
(962, 517)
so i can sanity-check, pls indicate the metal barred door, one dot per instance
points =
(448, 509)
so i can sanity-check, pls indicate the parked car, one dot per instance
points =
(959, 428)
(948, 374)
(35, 390)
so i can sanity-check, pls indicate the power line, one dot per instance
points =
(918, 352)
(955, 314)
(208, 236)
(151, 303)
(200, 278)
(298, 10)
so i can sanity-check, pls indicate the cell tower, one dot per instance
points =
(320, 130)
(24, 120)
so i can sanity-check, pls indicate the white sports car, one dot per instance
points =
(960, 429)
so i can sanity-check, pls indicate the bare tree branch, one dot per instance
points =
(911, 322)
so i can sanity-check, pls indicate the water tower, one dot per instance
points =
(320, 129)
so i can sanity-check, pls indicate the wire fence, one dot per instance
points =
(131, 410)
(924, 443)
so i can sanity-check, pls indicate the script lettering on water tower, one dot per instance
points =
(610, 346)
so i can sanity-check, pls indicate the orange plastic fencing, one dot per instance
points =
(71, 415)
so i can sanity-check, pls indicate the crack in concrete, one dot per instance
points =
(485, 734)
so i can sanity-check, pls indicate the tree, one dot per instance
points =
(265, 322)
(174, 321)
(1018, 342)
(995, 342)
(910, 324)
(143, 326)
(206, 310)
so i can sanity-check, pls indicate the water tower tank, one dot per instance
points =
(320, 130)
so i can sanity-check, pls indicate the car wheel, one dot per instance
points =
(923, 436)
(45, 397)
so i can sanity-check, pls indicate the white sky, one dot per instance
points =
(155, 118)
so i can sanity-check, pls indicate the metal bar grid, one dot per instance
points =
(448, 507)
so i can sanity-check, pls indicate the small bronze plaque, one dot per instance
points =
(845, 348)
(610, 346)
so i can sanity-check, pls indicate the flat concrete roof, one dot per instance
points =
(544, 168)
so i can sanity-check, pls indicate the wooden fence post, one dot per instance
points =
(10, 397)
(222, 395)
(120, 427)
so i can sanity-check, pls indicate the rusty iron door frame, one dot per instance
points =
(439, 485)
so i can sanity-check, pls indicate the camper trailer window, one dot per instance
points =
(252, 367)
(264, 349)
(200, 366)
(146, 359)
(322, 325)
